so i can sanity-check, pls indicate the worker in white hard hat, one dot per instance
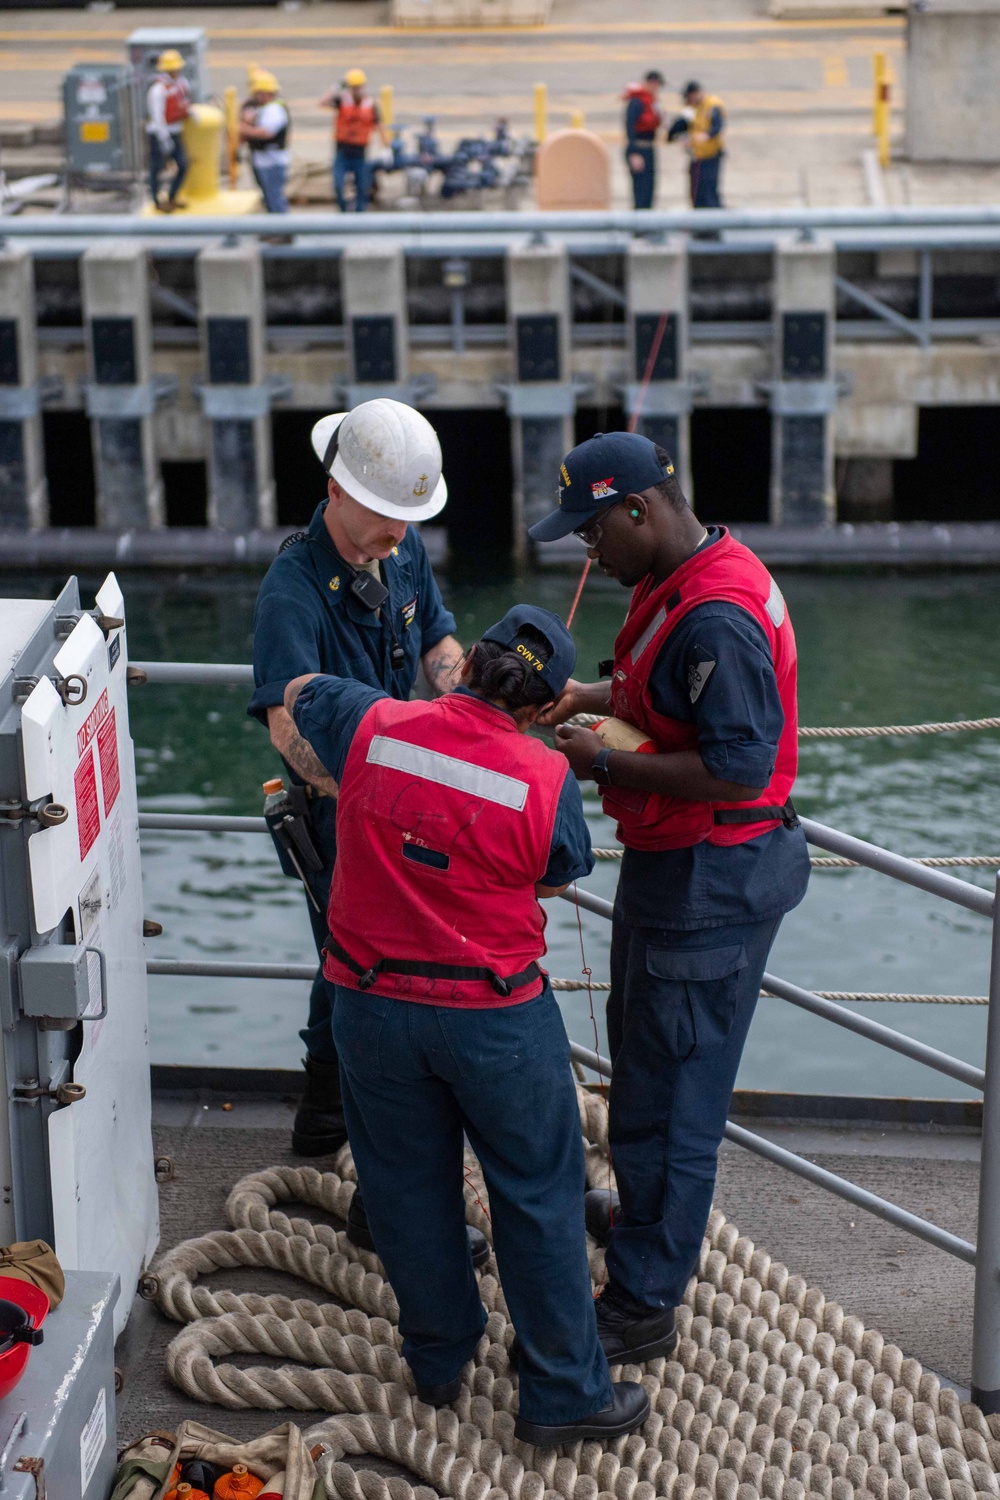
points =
(265, 126)
(168, 104)
(353, 595)
(356, 117)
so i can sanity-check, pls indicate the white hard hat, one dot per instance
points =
(386, 456)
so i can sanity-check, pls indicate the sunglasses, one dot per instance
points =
(591, 534)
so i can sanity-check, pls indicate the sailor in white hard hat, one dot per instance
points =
(354, 596)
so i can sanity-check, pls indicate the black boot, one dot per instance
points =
(359, 1234)
(318, 1128)
(630, 1333)
(440, 1395)
(600, 1207)
(628, 1410)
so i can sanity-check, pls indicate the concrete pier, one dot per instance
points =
(120, 394)
(373, 287)
(236, 399)
(952, 100)
(23, 488)
(542, 400)
(656, 279)
(803, 391)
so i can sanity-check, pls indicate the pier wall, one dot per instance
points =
(187, 368)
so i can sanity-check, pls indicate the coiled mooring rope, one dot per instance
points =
(773, 1391)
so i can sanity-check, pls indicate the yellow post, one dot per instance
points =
(882, 111)
(387, 103)
(576, 119)
(232, 99)
(541, 111)
(878, 64)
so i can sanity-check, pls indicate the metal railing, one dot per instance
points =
(984, 1255)
(533, 221)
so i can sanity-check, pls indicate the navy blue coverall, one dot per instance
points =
(307, 620)
(691, 933)
(636, 144)
(704, 171)
(416, 1078)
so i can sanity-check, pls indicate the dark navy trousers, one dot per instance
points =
(680, 1008)
(317, 1032)
(418, 1078)
(644, 182)
(705, 181)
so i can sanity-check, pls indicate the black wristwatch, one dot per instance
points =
(600, 770)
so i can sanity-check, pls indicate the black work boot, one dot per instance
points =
(630, 1333)
(318, 1128)
(628, 1410)
(440, 1395)
(359, 1234)
(601, 1207)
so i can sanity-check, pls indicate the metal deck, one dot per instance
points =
(916, 1296)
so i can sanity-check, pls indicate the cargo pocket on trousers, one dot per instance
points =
(705, 985)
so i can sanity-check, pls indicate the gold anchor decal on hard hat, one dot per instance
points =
(420, 488)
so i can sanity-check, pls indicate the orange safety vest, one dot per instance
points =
(354, 123)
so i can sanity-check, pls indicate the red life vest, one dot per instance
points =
(725, 570)
(444, 824)
(177, 100)
(354, 123)
(649, 119)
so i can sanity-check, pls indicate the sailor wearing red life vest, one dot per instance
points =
(451, 824)
(168, 104)
(703, 684)
(642, 120)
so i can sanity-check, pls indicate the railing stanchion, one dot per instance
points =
(986, 1311)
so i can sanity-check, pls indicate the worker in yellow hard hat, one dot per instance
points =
(356, 116)
(168, 103)
(265, 126)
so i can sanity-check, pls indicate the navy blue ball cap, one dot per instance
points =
(509, 632)
(605, 468)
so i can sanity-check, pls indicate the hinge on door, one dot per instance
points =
(34, 1466)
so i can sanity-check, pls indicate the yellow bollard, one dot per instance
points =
(882, 109)
(232, 108)
(878, 65)
(387, 103)
(576, 119)
(541, 111)
(203, 142)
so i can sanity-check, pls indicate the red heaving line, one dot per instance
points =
(633, 420)
(647, 375)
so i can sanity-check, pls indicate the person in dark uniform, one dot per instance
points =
(353, 594)
(701, 126)
(642, 120)
(453, 823)
(702, 700)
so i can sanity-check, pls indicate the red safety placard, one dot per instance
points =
(107, 750)
(88, 814)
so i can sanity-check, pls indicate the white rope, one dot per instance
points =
(570, 985)
(773, 1390)
(855, 731)
(835, 862)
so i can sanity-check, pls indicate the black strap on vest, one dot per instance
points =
(787, 814)
(367, 977)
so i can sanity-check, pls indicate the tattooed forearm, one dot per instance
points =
(298, 752)
(443, 665)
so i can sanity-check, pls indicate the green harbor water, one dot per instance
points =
(872, 650)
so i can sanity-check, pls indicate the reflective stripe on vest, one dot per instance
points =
(354, 123)
(702, 124)
(444, 825)
(729, 572)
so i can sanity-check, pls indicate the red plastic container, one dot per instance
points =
(14, 1361)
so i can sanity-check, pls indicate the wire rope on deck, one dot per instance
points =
(856, 731)
(773, 1390)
